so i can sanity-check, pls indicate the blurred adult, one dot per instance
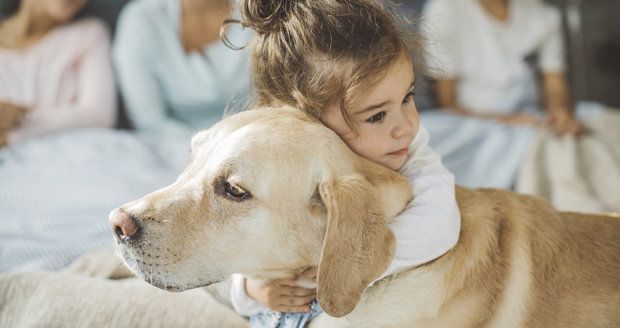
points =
(55, 71)
(488, 55)
(174, 73)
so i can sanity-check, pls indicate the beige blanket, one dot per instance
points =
(577, 173)
(97, 291)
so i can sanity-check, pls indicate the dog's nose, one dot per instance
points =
(124, 225)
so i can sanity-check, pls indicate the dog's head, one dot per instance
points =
(267, 193)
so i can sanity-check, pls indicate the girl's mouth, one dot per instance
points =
(401, 152)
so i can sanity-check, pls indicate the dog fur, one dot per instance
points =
(518, 262)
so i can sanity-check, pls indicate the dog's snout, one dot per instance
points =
(124, 225)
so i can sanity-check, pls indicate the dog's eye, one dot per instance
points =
(235, 192)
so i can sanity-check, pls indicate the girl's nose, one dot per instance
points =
(404, 126)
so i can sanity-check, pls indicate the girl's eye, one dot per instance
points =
(408, 97)
(376, 118)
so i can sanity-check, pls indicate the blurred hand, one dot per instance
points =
(3, 139)
(561, 122)
(521, 119)
(283, 295)
(10, 116)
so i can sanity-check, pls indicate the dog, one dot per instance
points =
(270, 192)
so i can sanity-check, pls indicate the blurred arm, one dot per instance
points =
(447, 99)
(555, 91)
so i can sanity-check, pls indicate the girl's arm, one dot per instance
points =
(96, 98)
(135, 48)
(430, 224)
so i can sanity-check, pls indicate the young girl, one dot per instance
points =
(347, 63)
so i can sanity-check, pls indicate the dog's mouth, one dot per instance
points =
(157, 273)
(155, 281)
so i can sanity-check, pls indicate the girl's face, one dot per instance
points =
(58, 10)
(386, 118)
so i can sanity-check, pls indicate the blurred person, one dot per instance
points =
(507, 120)
(174, 73)
(55, 72)
(485, 55)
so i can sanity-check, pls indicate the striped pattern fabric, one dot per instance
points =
(56, 192)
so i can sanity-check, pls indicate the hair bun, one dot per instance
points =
(264, 16)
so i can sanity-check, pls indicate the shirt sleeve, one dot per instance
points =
(96, 94)
(430, 224)
(242, 303)
(437, 27)
(552, 50)
(133, 54)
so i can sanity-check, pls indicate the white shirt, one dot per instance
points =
(427, 228)
(488, 56)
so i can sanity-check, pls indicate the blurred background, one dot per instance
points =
(57, 187)
(592, 38)
(591, 31)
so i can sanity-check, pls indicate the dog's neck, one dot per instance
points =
(273, 274)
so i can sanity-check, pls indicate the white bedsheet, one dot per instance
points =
(56, 192)
(480, 153)
(572, 173)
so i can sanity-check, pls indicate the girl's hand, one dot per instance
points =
(309, 274)
(10, 116)
(562, 122)
(282, 295)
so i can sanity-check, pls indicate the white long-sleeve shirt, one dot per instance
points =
(427, 228)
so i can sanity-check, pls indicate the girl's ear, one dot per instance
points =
(358, 245)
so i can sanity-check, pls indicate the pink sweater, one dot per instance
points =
(65, 80)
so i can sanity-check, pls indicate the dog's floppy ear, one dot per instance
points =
(358, 245)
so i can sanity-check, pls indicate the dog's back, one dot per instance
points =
(578, 285)
(518, 263)
(551, 269)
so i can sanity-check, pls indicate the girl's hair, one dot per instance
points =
(313, 53)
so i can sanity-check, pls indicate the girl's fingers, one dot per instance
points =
(289, 282)
(296, 291)
(295, 301)
(307, 299)
(285, 308)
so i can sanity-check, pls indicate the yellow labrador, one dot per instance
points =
(270, 192)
